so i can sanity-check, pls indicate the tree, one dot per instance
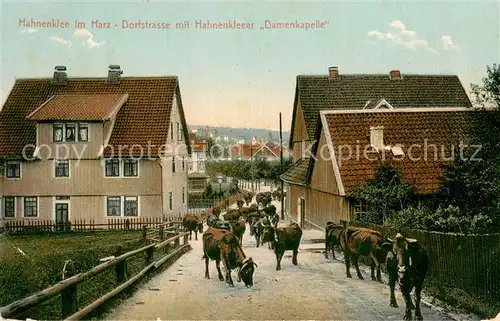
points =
(384, 194)
(214, 150)
(209, 191)
(488, 95)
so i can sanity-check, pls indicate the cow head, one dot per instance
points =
(245, 272)
(268, 231)
(400, 249)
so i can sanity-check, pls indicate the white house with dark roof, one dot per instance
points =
(93, 148)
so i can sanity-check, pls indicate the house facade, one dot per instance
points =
(316, 185)
(197, 177)
(93, 148)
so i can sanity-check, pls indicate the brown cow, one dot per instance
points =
(232, 215)
(357, 241)
(283, 239)
(221, 245)
(192, 222)
(238, 229)
(332, 233)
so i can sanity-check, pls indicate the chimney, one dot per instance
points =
(114, 74)
(333, 72)
(60, 76)
(377, 137)
(394, 75)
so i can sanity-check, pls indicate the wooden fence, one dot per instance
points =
(468, 262)
(50, 226)
(67, 288)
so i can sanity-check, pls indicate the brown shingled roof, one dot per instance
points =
(444, 128)
(78, 107)
(143, 120)
(297, 173)
(353, 91)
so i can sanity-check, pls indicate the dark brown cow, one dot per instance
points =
(221, 245)
(332, 234)
(357, 241)
(238, 228)
(407, 264)
(192, 223)
(232, 215)
(283, 239)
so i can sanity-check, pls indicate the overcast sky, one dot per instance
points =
(244, 78)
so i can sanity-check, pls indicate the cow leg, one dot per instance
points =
(257, 240)
(347, 260)
(207, 275)
(196, 235)
(409, 305)
(190, 235)
(217, 264)
(418, 289)
(294, 257)
(355, 261)
(326, 248)
(375, 264)
(391, 264)
(279, 256)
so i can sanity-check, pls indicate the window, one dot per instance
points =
(61, 168)
(172, 130)
(183, 164)
(83, 132)
(131, 206)
(201, 166)
(70, 135)
(170, 200)
(30, 207)
(183, 196)
(173, 164)
(360, 208)
(190, 166)
(9, 206)
(112, 167)
(13, 169)
(178, 131)
(114, 206)
(57, 132)
(130, 167)
(68, 132)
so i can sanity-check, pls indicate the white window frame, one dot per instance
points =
(171, 201)
(119, 167)
(54, 172)
(37, 208)
(3, 207)
(122, 206)
(77, 132)
(20, 169)
(122, 172)
(138, 205)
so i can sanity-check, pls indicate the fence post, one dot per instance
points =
(176, 242)
(144, 233)
(161, 232)
(69, 295)
(121, 267)
(149, 255)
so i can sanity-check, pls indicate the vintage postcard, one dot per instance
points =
(250, 160)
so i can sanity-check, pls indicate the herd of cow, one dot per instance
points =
(406, 260)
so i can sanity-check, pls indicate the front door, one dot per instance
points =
(62, 216)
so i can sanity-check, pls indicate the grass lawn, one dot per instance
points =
(41, 264)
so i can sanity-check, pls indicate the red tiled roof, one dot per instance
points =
(245, 150)
(442, 128)
(143, 120)
(199, 147)
(318, 92)
(78, 107)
